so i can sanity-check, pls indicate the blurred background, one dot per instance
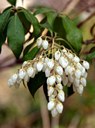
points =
(17, 107)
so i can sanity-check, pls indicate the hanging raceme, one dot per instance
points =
(61, 67)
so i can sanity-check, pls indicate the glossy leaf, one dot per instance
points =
(15, 34)
(31, 54)
(33, 20)
(13, 2)
(25, 22)
(4, 18)
(43, 10)
(35, 83)
(73, 34)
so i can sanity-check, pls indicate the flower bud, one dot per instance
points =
(50, 91)
(54, 112)
(39, 66)
(47, 72)
(24, 63)
(76, 59)
(80, 89)
(59, 70)
(58, 78)
(86, 65)
(76, 82)
(57, 55)
(45, 44)
(21, 73)
(78, 73)
(10, 82)
(63, 62)
(51, 105)
(59, 86)
(39, 42)
(65, 80)
(51, 80)
(59, 107)
(50, 63)
(83, 81)
(14, 78)
(61, 96)
(30, 71)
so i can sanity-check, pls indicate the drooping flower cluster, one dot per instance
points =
(61, 67)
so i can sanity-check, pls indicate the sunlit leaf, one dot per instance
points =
(35, 83)
(15, 35)
(90, 56)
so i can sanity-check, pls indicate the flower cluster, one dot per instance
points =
(61, 67)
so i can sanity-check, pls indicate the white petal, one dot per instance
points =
(63, 62)
(86, 65)
(50, 63)
(51, 80)
(83, 81)
(61, 96)
(57, 55)
(45, 44)
(30, 71)
(21, 73)
(59, 70)
(78, 73)
(80, 89)
(59, 86)
(54, 112)
(50, 91)
(59, 107)
(58, 78)
(39, 66)
(47, 72)
(76, 59)
(51, 105)
(39, 42)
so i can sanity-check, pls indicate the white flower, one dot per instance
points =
(24, 63)
(50, 91)
(39, 66)
(45, 44)
(69, 70)
(59, 86)
(63, 62)
(76, 82)
(77, 73)
(58, 78)
(59, 107)
(30, 71)
(76, 59)
(21, 73)
(57, 55)
(51, 80)
(61, 96)
(70, 78)
(50, 63)
(47, 72)
(86, 65)
(14, 78)
(59, 70)
(54, 112)
(79, 66)
(83, 81)
(70, 55)
(26, 78)
(39, 42)
(10, 82)
(51, 105)
(80, 89)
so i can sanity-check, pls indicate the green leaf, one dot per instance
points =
(90, 56)
(13, 2)
(35, 83)
(25, 22)
(31, 54)
(33, 20)
(15, 34)
(2, 39)
(4, 18)
(73, 34)
(43, 10)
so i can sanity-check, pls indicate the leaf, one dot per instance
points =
(4, 18)
(33, 20)
(73, 34)
(25, 22)
(13, 2)
(2, 39)
(35, 83)
(43, 10)
(31, 54)
(15, 34)
(90, 56)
